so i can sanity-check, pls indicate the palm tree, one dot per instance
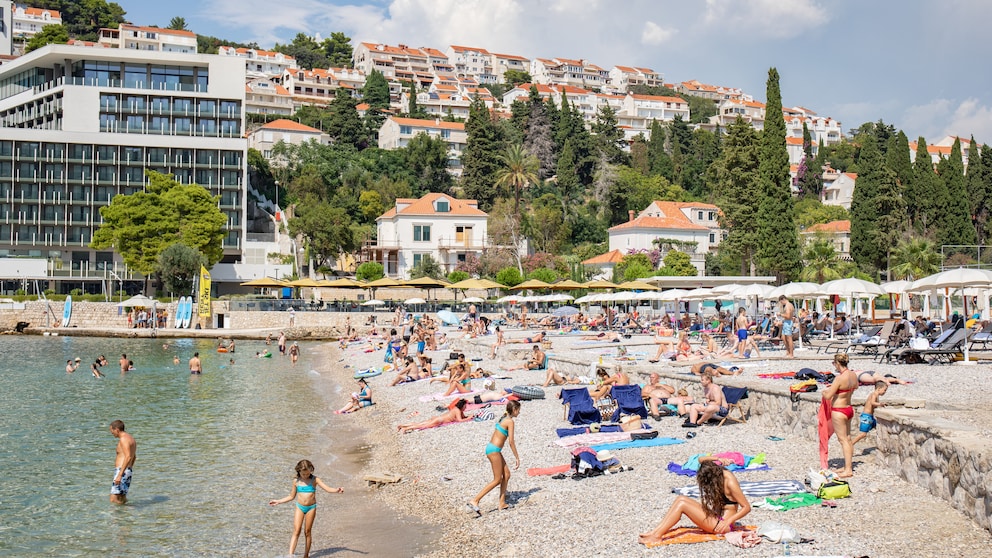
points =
(915, 258)
(822, 263)
(520, 170)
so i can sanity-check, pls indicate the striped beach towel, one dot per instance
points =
(753, 489)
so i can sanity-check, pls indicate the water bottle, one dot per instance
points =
(787, 552)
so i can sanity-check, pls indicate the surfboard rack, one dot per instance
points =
(381, 479)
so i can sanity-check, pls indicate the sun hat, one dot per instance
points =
(79, 359)
(604, 455)
(594, 427)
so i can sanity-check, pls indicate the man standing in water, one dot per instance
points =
(194, 364)
(282, 343)
(126, 449)
(788, 323)
(124, 364)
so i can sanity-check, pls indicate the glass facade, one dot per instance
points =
(149, 114)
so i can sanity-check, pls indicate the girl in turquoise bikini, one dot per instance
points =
(494, 452)
(305, 493)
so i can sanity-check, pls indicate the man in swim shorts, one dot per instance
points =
(126, 452)
(788, 321)
(194, 364)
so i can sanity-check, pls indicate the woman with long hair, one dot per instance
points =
(721, 503)
(494, 453)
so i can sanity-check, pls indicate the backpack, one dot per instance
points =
(801, 387)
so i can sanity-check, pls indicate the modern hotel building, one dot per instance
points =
(80, 125)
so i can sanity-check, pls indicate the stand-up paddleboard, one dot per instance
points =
(187, 312)
(179, 312)
(67, 311)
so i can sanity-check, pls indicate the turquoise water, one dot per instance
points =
(212, 450)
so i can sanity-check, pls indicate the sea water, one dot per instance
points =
(212, 449)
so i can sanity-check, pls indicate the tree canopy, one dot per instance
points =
(84, 18)
(142, 225)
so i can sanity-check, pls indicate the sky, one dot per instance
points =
(916, 64)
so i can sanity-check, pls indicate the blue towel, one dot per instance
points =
(638, 444)
(565, 432)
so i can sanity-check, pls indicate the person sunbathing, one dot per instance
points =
(536, 338)
(610, 336)
(701, 368)
(869, 378)
(655, 393)
(535, 362)
(455, 413)
(666, 345)
(684, 350)
(605, 382)
(553, 377)
(460, 380)
(408, 373)
(722, 503)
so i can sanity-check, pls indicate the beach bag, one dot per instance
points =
(815, 479)
(804, 386)
(778, 533)
(644, 435)
(834, 490)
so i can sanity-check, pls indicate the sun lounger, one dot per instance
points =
(579, 407)
(943, 350)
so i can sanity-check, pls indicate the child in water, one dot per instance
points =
(304, 491)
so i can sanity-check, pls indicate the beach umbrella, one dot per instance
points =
(798, 289)
(447, 317)
(726, 289)
(473, 299)
(306, 282)
(531, 284)
(265, 282)
(508, 299)
(852, 286)
(373, 302)
(383, 282)
(599, 284)
(898, 289)
(476, 284)
(414, 301)
(565, 311)
(426, 283)
(565, 285)
(637, 286)
(560, 297)
(343, 283)
(136, 301)
(701, 293)
(958, 278)
(584, 299)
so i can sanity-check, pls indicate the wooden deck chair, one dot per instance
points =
(734, 396)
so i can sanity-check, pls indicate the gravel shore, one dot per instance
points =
(442, 468)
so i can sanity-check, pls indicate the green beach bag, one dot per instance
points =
(834, 490)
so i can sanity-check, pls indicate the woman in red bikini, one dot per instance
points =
(839, 394)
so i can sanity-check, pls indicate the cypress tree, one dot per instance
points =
(978, 192)
(956, 227)
(480, 160)
(921, 202)
(865, 238)
(735, 178)
(609, 137)
(891, 210)
(658, 158)
(778, 250)
(897, 158)
(568, 180)
(986, 157)
(345, 126)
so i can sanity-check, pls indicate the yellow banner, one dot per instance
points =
(203, 301)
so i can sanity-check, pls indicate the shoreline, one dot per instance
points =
(607, 512)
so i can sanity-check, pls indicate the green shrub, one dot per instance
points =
(509, 276)
(543, 274)
(456, 276)
(369, 271)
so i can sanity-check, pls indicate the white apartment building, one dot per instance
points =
(397, 132)
(565, 71)
(28, 21)
(821, 128)
(6, 27)
(942, 149)
(261, 63)
(714, 93)
(654, 107)
(446, 228)
(134, 37)
(837, 232)
(623, 78)
(318, 86)
(838, 188)
(81, 125)
(753, 112)
(472, 62)
(397, 62)
(286, 131)
(265, 97)
(694, 225)
(501, 63)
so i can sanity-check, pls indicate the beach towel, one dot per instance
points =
(592, 438)
(685, 535)
(778, 375)
(440, 396)
(680, 470)
(563, 432)
(825, 426)
(638, 444)
(474, 406)
(542, 471)
(753, 489)
(789, 502)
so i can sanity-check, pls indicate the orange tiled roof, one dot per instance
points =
(434, 52)
(611, 257)
(457, 48)
(679, 221)
(289, 125)
(831, 227)
(510, 57)
(161, 30)
(659, 99)
(627, 69)
(419, 123)
(793, 141)
(54, 14)
(425, 206)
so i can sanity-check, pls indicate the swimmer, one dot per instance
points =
(175, 359)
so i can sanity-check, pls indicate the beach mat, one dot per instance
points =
(777, 375)
(440, 396)
(542, 471)
(638, 444)
(688, 535)
(679, 470)
(753, 489)
(592, 438)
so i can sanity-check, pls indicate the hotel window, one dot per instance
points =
(700, 215)
(405, 130)
(416, 259)
(712, 238)
(421, 233)
(712, 215)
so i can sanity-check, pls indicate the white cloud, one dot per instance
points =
(942, 117)
(771, 19)
(653, 34)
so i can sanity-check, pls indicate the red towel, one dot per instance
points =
(539, 471)
(826, 428)
(777, 375)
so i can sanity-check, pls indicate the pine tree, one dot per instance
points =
(375, 93)
(608, 136)
(480, 159)
(345, 125)
(735, 178)
(538, 138)
(978, 191)
(865, 238)
(956, 227)
(658, 157)
(778, 250)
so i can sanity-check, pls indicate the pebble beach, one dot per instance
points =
(442, 468)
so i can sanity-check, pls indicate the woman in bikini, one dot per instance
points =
(494, 453)
(456, 413)
(359, 400)
(721, 503)
(606, 381)
(839, 395)
(304, 491)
